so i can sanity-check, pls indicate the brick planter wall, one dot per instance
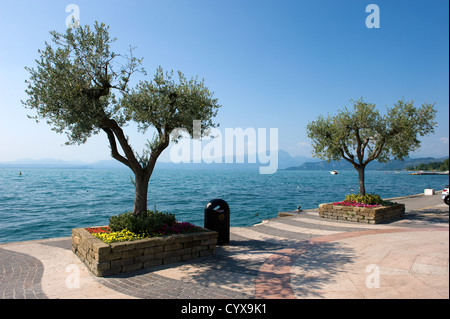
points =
(373, 215)
(104, 260)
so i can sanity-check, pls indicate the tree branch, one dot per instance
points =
(115, 129)
(351, 157)
(348, 159)
(359, 151)
(375, 153)
(366, 141)
(114, 152)
(162, 145)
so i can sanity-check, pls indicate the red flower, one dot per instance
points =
(98, 230)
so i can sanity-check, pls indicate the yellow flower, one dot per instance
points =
(121, 236)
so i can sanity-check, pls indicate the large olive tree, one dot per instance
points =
(362, 135)
(81, 87)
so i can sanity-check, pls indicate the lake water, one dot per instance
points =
(46, 203)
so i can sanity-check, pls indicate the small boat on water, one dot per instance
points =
(334, 172)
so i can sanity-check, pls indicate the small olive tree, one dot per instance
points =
(74, 87)
(363, 135)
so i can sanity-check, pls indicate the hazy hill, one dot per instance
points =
(375, 165)
(285, 161)
(43, 163)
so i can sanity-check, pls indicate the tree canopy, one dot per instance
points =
(362, 135)
(71, 87)
(74, 88)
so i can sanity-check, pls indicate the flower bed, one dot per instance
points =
(355, 204)
(361, 213)
(108, 236)
(128, 251)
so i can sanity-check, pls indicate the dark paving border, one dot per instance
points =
(144, 284)
(20, 276)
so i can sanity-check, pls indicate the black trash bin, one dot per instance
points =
(217, 218)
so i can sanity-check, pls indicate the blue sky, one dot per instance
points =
(271, 64)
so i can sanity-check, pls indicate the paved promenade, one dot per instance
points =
(300, 256)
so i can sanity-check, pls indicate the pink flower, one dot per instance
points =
(354, 204)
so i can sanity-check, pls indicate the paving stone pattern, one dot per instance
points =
(234, 270)
(20, 276)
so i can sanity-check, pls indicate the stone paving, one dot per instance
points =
(296, 257)
(20, 276)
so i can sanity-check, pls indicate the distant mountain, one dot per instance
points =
(43, 163)
(112, 163)
(285, 160)
(374, 165)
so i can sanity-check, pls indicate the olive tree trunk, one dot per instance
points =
(142, 171)
(362, 188)
(141, 193)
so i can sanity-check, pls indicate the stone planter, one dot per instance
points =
(104, 260)
(373, 215)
